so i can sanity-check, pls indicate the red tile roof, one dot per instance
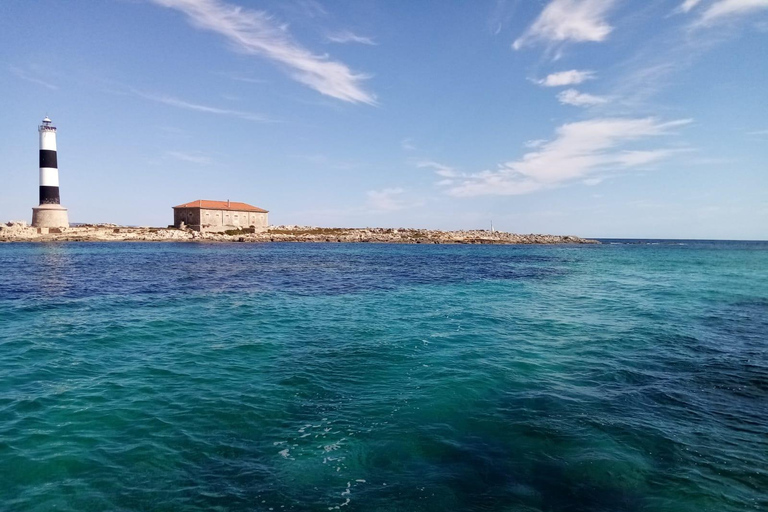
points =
(221, 205)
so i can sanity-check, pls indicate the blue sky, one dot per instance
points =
(607, 118)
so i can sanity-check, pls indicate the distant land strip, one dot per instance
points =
(21, 232)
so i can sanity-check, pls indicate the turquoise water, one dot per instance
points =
(184, 377)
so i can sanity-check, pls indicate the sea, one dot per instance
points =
(626, 376)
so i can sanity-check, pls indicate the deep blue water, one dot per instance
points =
(620, 377)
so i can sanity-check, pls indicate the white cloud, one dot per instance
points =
(687, 5)
(345, 36)
(387, 200)
(580, 151)
(178, 103)
(535, 143)
(440, 169)
(638, 158)
(580, 99)
(241, 78)
(256, 33)
(569, 20)
(572, 77)
(408, 144)
(730, 8)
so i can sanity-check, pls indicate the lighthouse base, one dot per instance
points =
(50, 216)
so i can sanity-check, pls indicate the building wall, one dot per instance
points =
(201, 219)
(189, 216)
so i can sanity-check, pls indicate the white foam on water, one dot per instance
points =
(333, 446)
(285, 452)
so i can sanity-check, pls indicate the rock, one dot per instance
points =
(19, 230)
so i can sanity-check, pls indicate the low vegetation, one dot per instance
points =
(309, 231)
(241, 231)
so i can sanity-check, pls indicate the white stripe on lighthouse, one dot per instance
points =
(49, 177)
(48, 140)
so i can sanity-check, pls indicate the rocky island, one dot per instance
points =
(21, 232)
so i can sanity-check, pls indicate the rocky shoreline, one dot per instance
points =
(21, 232)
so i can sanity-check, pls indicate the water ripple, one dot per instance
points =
(371, 377)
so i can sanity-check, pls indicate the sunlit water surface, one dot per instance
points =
(620, 377)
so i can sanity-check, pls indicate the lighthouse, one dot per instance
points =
(49, 213)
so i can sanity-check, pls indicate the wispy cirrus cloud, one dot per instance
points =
(687, 5)
(569, 21)
(663, 57)
(535, 143)
(256, 33)
(584, 150)
(25, 75)
(501, 14)
(727, 9)
(563, 78)
(345, 36)
(441, 170)
(580, 99)
(179, 103)
(242, 78)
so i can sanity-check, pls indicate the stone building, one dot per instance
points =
(202, 215)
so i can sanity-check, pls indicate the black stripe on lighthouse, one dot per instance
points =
(48, 159)
(49, 195)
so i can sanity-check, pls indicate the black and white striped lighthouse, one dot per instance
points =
(49, 213)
